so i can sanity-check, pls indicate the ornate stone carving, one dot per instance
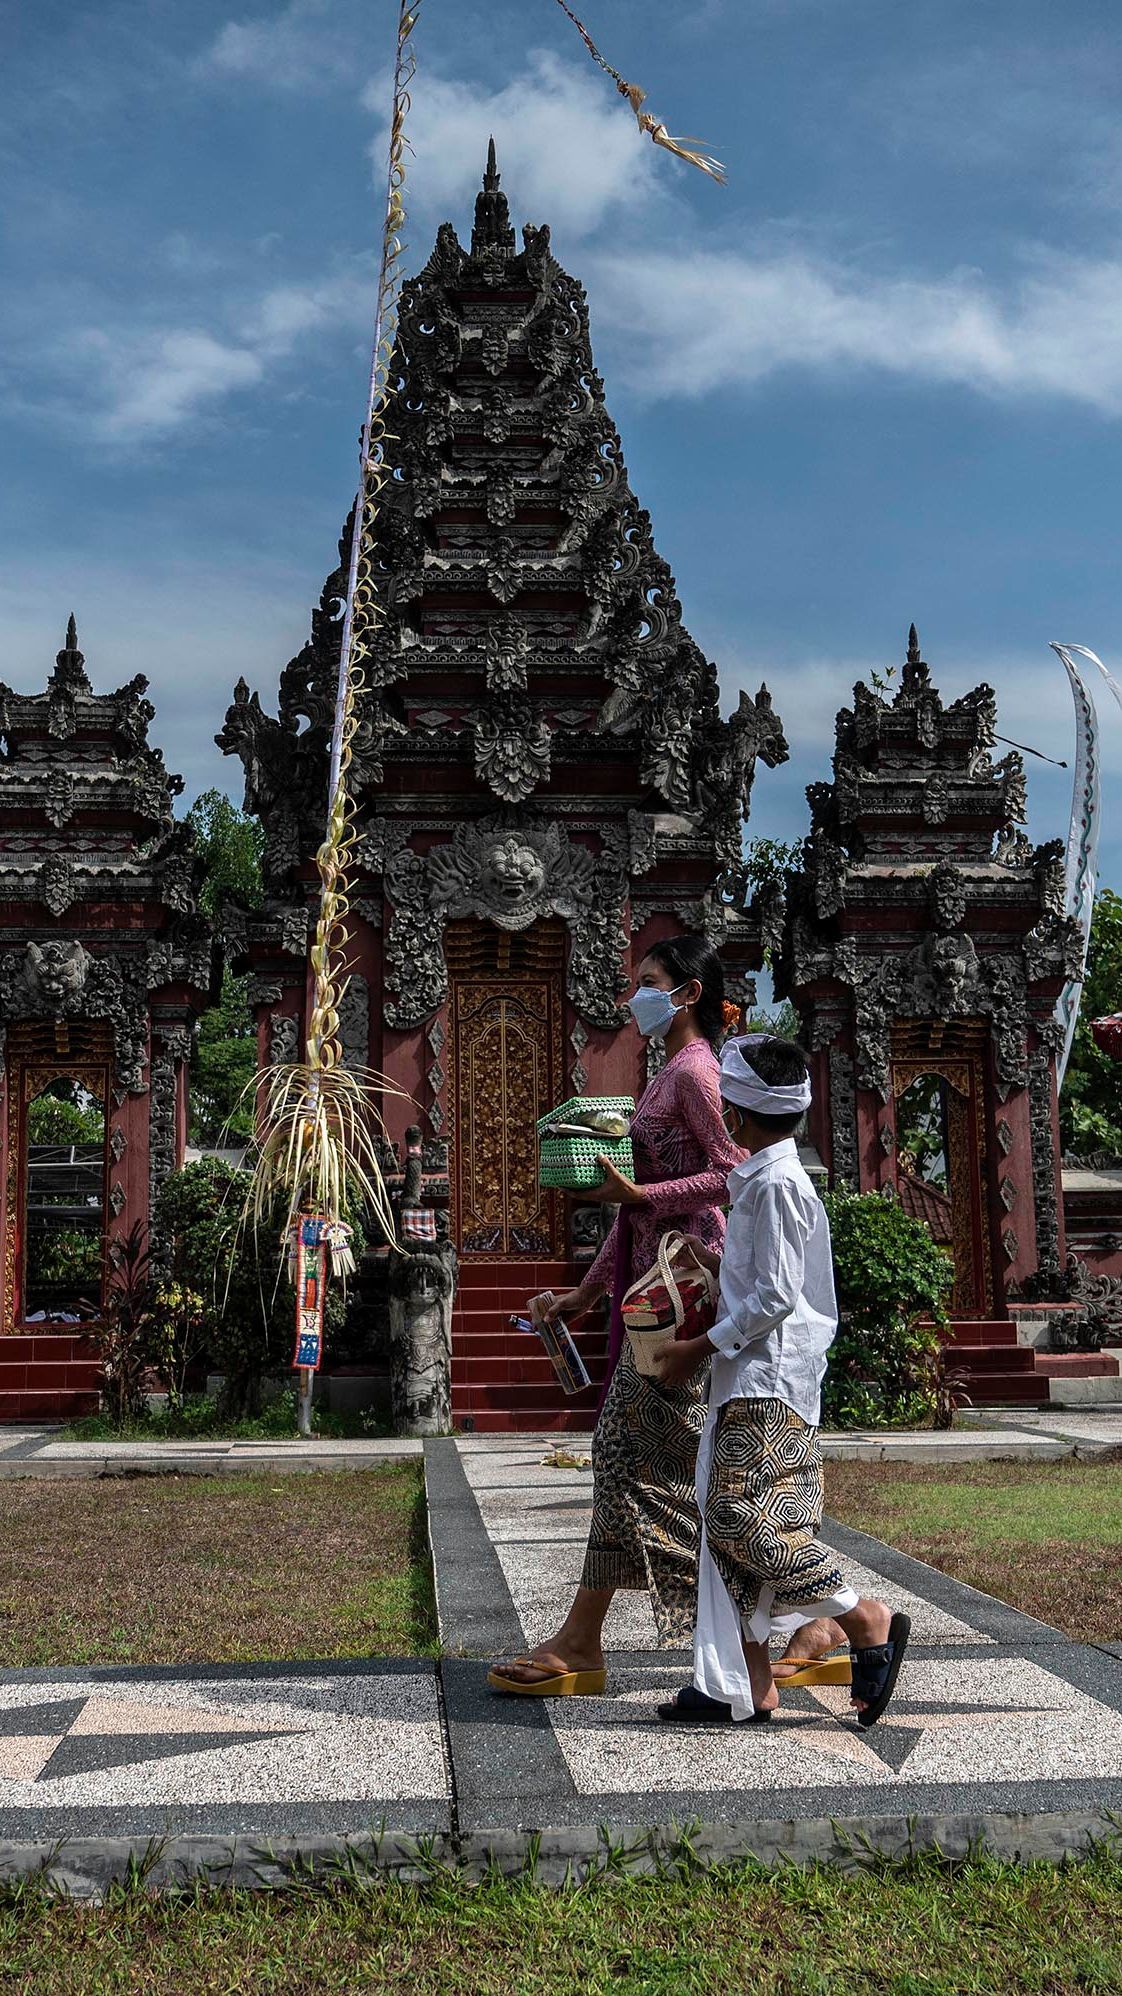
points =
(513, 875)
(354, 1022)
(1045, 1191)
(946, 890)
(512, 748)
(62, 980)
(171, 1045)
(843, 1116)
(49, 982)
(284, 1039)
(421, 1287)
(58, 797)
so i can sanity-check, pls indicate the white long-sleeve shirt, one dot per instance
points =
(778, 1313)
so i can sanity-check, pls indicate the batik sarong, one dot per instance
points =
(763, 1512)
(646, 1530)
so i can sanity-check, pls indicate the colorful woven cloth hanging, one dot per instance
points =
(314, 1241)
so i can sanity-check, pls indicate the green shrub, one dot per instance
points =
(243, 1316)
(889, 1273)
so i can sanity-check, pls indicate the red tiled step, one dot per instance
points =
(1008, 1389)
(966, 1332)
(1077, 1365)
(501, 1344)
(514, 1394)
(515, 1366)
(20, 1407)
(48, 1375)
(973, 1359)
(528, 1420)
(524, 1275)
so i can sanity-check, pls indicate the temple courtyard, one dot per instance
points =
(277, 1685)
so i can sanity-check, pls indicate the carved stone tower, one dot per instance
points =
(925, 946)
(105, 963)
(547, 783)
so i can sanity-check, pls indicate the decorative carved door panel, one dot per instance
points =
(940, 1071)
(506, 1064)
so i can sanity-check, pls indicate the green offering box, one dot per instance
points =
(569, 1164)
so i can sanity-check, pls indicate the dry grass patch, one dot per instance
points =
(1044, 1536)
(215, 1569)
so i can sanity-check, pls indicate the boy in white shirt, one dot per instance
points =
(759, 1466)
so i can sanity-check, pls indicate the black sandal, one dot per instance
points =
(875, 1670)
(694, 1708)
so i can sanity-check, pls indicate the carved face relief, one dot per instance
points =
(55, 974)
(511, 874)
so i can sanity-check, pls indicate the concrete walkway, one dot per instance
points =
(1001, 1729)
(38, 1452)
(990, 1435)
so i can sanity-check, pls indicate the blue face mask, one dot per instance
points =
(654, 1011)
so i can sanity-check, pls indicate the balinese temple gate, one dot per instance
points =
(925, 947)
(105, 965)
(546, 782)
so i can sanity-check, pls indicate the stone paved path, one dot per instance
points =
(1001, 1727)
(999, 1721)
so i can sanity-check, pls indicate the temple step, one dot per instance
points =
(966, 1331)
(501, 1378)
(1077, 1365)
(48, 1376)
(1008, 1389)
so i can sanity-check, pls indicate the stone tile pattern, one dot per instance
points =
(359, 1737)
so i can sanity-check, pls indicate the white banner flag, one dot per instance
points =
(1080, 866)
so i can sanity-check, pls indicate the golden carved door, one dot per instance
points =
(506, 1065)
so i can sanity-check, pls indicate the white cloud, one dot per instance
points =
(154, 383)
(297, 48)
(569, 151)
(287, 313)
(144, 384)
(693, 322)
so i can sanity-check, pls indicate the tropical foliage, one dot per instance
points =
(892, 1283)
(224, 1290)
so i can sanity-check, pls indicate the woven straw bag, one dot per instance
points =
(677, 1298)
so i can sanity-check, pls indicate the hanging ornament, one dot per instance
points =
(684, 148)
(314, 1239)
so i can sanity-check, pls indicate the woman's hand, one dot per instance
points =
(679, 1359)
(547, 1307)
(709, 1257)
(614, 1189)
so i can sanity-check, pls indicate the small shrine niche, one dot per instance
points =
(924, 947)
(105, 964)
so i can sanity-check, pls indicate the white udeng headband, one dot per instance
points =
(741, 1084)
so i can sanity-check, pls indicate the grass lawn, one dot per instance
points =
(1044, 1536)
(215, 1569)
(929, 1926)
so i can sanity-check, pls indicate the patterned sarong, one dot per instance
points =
(763, 1510)
(645, 1530)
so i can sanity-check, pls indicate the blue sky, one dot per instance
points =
(878, 377)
